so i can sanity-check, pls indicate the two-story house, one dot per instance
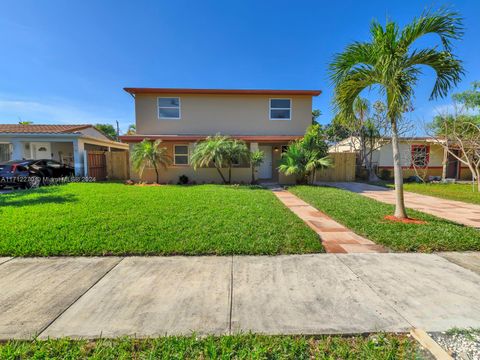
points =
(265, 119)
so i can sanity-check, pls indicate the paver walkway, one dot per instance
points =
(335, 237)
(295, 294)
(457, 211)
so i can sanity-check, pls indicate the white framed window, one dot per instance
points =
(280, 109)
(180, 154)
(169, 108)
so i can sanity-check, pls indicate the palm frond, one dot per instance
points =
(449, 70)
(356, 54)
(445, 23)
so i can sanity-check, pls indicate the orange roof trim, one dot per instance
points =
(220, 91)
(255, 138)
(42, 129)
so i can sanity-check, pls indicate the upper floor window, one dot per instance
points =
(180, 155)
(280, 109)
(169, 108)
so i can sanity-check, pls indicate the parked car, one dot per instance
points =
(32, 173)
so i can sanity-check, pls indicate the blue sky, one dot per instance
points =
(67, 61)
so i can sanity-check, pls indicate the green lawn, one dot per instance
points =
(460, 192)
(250, 346)
(366, 217)
(117, 219)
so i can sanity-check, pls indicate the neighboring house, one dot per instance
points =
(64, 143)
(418, 155)
(265, 119)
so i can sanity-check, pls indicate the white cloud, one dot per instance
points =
(451, 109)
(55, 112)
(443, 109)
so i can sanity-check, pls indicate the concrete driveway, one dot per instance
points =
(297, 294)
(457, 211)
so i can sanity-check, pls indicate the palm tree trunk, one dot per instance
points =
(400, 211)
(253, 175)
(371, 174)
(156, 172)
(221, 175)
(444, 163)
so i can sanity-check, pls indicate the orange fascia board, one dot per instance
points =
(190, 138)
(134, 91)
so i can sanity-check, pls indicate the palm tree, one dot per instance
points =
(150, 153)
(302, 160)
(236, 152)
(390, 62)
(132, 129)
(294, 162)
(316, 149)
(211, 151)
(256, 159)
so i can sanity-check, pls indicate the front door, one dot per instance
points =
(265, 169)
(41, 150)
(452, 166)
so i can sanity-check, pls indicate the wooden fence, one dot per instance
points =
(97, 165)
(343, 168)
(117, 165)
(104, 165)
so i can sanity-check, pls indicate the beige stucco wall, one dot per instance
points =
(92, 132)
(240, 174)
(384, 155)
(172, 173)
(226, 114)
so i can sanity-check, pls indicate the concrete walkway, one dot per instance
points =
(335, 237)
(457, 211)
(297, 294)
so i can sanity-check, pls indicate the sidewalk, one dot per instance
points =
(335, 237)
(457, 211)
(296, 294)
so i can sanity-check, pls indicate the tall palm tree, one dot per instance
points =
(150, 153)
(390, 62)
(211, 151)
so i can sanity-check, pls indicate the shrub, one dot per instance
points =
(385, 174)
(183, 179)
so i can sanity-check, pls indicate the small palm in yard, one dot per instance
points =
(390, 62)
(211, 151)
(236, 153)
(256, 159)
(221, 152)
(151, 154)
(302, 162)
(304, 157)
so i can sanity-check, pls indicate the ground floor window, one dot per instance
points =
(5, 152)
(180, 154)
(420, 155)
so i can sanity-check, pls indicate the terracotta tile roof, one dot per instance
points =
(221, 91)
(42, 129)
